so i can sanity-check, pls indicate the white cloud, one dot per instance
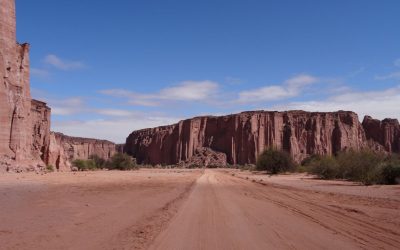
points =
(115, 130)
(391, 76)
(59, 63)
(379, 104)
(290, 88)
(114, 112)
(66, 107)
(190, 91)
(42, 73)
(184, 91)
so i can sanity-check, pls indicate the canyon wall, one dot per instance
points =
(26, 142)
(385, 134)
(242, 137)
(65, 149)
(15, 99)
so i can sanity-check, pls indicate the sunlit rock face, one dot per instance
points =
(385, 134)
(65, 149)
(26, 142)
(16, 140)
(242, 137)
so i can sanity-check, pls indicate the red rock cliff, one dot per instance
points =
(384, 133)
(25, 139)
(16, 140)
(64, 149)
(242, 137)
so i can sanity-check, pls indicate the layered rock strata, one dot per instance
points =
(242, 137)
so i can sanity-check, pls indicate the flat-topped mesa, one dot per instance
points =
(242, 137)
(65, 149)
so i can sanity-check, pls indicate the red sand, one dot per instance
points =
(194, 209)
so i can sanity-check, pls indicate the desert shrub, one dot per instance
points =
(98, 161)
(325, 167)
(50, 168)
(84, 165)
(122, 162)
(360, 166)
(274, 161)
(366, 167)
(310, 159)
(390, 172)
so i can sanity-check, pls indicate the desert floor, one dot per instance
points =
(194, 209)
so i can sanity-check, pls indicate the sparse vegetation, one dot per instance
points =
(99, 162)
(49, 168)
(122, 162)
(274, 161)
(390, 172)
(366, 167)
(117, 162)
(85, 165)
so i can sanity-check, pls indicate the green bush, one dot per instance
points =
(360, 166)
(98, 161)
(274, 161)
(84, 165)
(390, 173)
(122, 162)
(366, 167)
(325, 167)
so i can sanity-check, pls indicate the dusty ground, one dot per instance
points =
(211, 209)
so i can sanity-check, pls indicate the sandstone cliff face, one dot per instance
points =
(385, 134)
(242, 137)
(15, 100)
(64, 149)
(40, 134)
(25, 139)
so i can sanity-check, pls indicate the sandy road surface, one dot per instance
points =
(193, 209)
(228, 212)
(98, 210)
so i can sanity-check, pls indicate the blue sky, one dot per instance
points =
(107, 70)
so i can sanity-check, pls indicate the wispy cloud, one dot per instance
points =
(391, 76)
(233, 80)
(357, 72)
(290, 88)
(113, 129)
(41, 73)
(114, 112)
(397, 63)
(184, 91)
(61, 64)
(66, 107)
(379, 104)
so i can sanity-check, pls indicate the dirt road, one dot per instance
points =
(227, 212)
(192, 209)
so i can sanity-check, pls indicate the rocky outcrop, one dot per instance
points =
(40, 117)
(383, 134)
(242, 137)
(25, 139)
(17, 140)
(205, 157)
(65, 149)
